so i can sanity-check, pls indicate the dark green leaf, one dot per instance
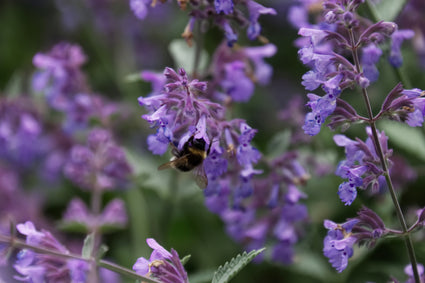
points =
(230, 269)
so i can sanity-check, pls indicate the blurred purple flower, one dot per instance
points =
(59, 75)
(114, 215)
(61, 80)
(369, 59)
(236, 83)
(409, 272)
(255, 10)
(100, 165)
(21, 140)
(397, 39)
(140, 8)
(35, 267)
(225, 6)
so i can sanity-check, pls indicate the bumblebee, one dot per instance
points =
(190, 157)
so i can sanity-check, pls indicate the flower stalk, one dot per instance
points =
(19, 244)
(386, 173)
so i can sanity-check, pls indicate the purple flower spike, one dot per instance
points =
(99, 165)
(60, 77)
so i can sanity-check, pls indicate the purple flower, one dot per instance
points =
(262, 210)
(338, 243)
(21, 140)
(236, 84)
(229, 33)
(101, 165)
(409, 272)
(262, 71)
(246, 153)
(113, 215)
(320, 50)
(225, 6)
(255, 10)
(321, 108)
(60, 77)
(38, 268)
(162, 265)
(140, 8)
(236, 71)
(369, 59)
(397, 39)
(362, 165)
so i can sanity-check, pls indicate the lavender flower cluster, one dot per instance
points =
(342, 52)
(228, 15)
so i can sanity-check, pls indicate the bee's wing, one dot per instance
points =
(169, 164)
(200, 177)
(172, 163)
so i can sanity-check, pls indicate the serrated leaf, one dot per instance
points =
(410, 139)
(230, 269)
(388, 10)
(185, 259)
(88, 246)
(184, 56)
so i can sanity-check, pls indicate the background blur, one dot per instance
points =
(167, 205)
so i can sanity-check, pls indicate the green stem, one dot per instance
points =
(16, 243)
(96, 202)
(384, 165)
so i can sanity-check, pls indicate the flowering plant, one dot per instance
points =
(95, 107)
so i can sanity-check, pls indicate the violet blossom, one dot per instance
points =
(162, 265)
(100, 165)
(362, 165)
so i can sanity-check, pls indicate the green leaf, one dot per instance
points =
(102, 251)
(131, 78)
(184, 56)
(405, 137)
(73, 226)
(185, 259)
(230, 269)
(387, 10)
(88, 246)
(279, 143)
